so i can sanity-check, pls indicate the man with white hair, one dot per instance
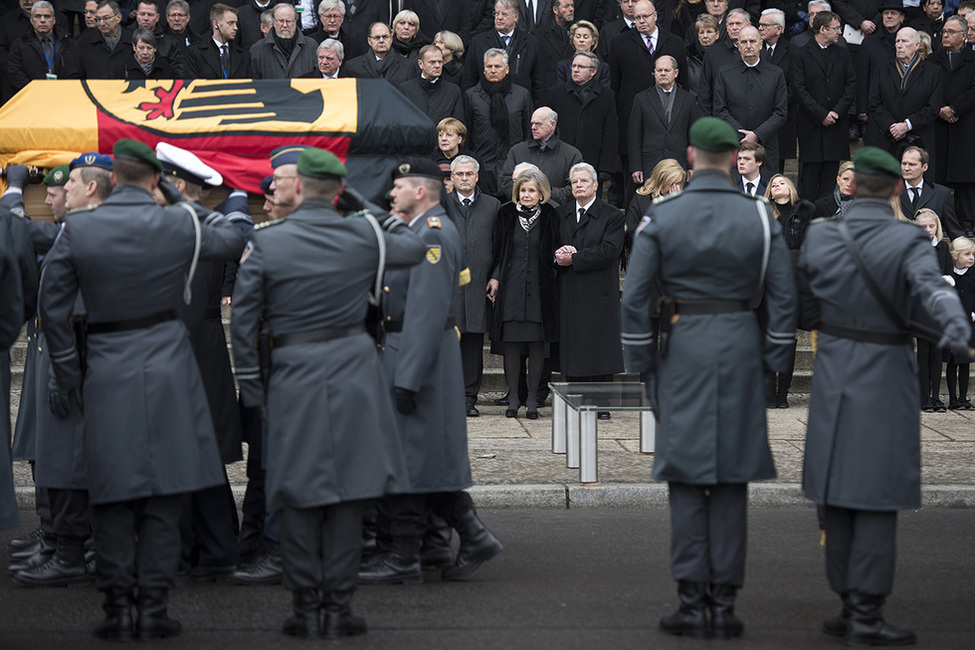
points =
(545, 150)
(778, 51)
(331, 53)
(285, 52)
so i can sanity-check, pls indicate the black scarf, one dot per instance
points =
(499, 109)
(585, 91)
(427, 85)
(287, 45)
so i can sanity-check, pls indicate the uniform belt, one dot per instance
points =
(696, 307)
(397, 325)
(213, 313)
(320, 335)
(142, 322)
(879, 337)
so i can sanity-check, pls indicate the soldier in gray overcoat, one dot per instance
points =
(717, 254)
(421, 357)
(331, 440)
(862, 461)
(149, 437)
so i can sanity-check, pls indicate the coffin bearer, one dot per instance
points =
(717, 254)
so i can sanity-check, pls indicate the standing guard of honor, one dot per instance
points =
(421, 357)
(717, 255)
(860, 278)
(149, 437)
(332, 440)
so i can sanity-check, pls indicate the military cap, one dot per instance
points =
(318, 163)
(92, 159)
(418, 167)
(871, 160)
(266, 184)
(184, 164)
(286, 155)
(57, 176)
(135, 151)
(713, 134)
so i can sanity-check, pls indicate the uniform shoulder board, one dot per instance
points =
(835, 217)
(87, 208)
(760, 199)
(267, 224)
(358, 213)
(18, 212)
(434, 222)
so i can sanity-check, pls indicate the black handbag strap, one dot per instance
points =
(882, 299)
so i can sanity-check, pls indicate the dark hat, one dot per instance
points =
(286, 155)
(318, 163)
(266, 184)
(871, 160)
(92, 159)
(57, 176)
(444, 165)
(126, 149)
(712, 134)
(892, 4)
(186, 165)
(418, 167)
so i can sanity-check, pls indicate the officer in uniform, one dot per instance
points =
(859, 279)
(331, 430)
(209, 521)
(717, 254)
(421, 356)
(59, 430)
(149, 436)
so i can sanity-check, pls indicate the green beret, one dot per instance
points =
(57, 176)
(712, 134)
(126, 149)
(318, 163)
(871, 160)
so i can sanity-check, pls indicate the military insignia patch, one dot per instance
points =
(433, 254)
(434, 222)
(247, 252)
(58, 176)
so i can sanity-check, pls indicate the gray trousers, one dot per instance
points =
(320, 547)
(708, 532)
(861, 550)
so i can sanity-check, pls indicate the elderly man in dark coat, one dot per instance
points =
(865, 392)
(547, 152)
(476, 213)
(104, 51)
(591, 238)
(379, 62)
(331, 431)
(553, 36)
(144, 400)
(285, 52)
(707, 381)
(520, 46)
(421, 357)
(432, 94)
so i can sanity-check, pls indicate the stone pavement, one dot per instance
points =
(513, 466)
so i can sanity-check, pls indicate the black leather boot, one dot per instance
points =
(339, 619)
(65, 567)
(20, 543)
(43, 543)
(435, 551)
(724, 623)
(477, 546)
(868, 627)
(691, 618)
(153, 621)
(117, 625)
(265, 570)
(305, 623)
(35, 560)
(400, 566)
(837, 625)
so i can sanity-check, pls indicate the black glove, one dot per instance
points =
(955, 340)
(350, 201)
(405, 400)
(60, 401)
(169, 192)
(17, 176)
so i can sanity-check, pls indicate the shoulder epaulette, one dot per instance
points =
(835, 217)
(434, 222)
(759, 198)
(87, 208)
(358, 213)
(272, 222)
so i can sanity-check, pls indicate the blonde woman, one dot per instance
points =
(928, 354)
(584, 37)
(842, 197)
(452, 47)
(666, 178)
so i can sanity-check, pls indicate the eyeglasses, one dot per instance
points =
(952, 31)
(104, 19)
(582, 67)
(463, 174)
(767, 25)
(381, 37)
(174, 15)
(285, 21)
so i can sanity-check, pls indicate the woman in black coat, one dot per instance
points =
(929, 356)
(522, 284)
(145, 63)
(842, 197)
(666, 178)
(452, 47)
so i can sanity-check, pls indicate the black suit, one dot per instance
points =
(822, 81)
(716, 57)
(608, 33)
(203, 61)
(393, 68)
(753, 99)
(933, 197)
(523, 61)
(762, 184)
(249, 23)
(588, 121)
(652, 137)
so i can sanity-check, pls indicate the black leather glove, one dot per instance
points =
(60, 401)
(405, 400)
(169, 192)
(955, 340)
(17, 176)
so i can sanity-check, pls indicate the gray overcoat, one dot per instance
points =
(147, 425)
(331, 430)
(863, 446)
(425, 357)
(706, 243)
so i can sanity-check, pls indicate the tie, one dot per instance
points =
(530, 6)
(915, 197)
(750, 188)
(582, 213)
(506, 38)
(467, 204)
(48, 48)
(649, 43)
(225, 60)
(351, 7)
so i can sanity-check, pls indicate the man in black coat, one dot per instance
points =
(220, 57)
(610, 29)
(379, 62)
(777, 51)
(903, 104)
(431, 94)
(587, 115)
(358, 20)
(285, 52)
(661, 121)
(331, 15)
(249, 21)
(522, 49)
(876, 51)
(553, 37)
(751, 96)
(104, 52)
(824, 85)
(919, 193)
(44, 51)
(720, 54)
(458, 16)
(178, 22)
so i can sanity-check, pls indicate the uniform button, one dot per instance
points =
(386, 289)
(389, 318)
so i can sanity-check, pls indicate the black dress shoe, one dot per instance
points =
(532, 414)
(56, 572)
(868, 627)
(305, 623)
(938, 406)
(511, 413)
(20, 543)
(603, 415)
(337, 625)
(390, 570)
(501, 401)
(266, 571)
(472, 411)
(39, 544)
(35, 560)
